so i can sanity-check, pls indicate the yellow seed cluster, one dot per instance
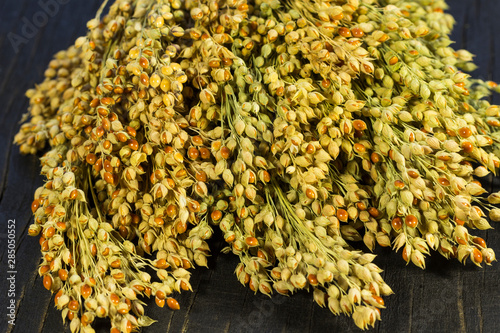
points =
(293, 128)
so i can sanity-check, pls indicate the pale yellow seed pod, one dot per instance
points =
(495, 214)
(463, 252)
(334, 305)
(75, 325)
(407, 197)
(343, 266)
(493, 111)
(482, 224)
(432, 241)
(488, 255)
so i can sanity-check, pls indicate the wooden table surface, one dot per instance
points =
(446, 297)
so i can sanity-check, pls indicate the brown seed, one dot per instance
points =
(91, 158)
(108, 177)
(266, 176)
(225, 152)
(216, 215)
(443, 181)
(251, 241)
(375, 157)
(251, 177)
(461, 240)
(413, 174)
(34, 205)
(405, 255)
(464, 132)
(177, 262)
(361, 205)
(193, 153)
(397, 223)
(201, 176)
(160, 294)
(49, 232)
(105, 251)
(378, 299)
(121, 137)
(173, 304)
(467, 147)
(313, 280)
(360, 148)
(159, 221)
(477, 255)
(44, 269)
(123, 231)
(107, 101)
(326, 83)
(161, 263)
(86, 291)
(342, 215)
(74, 194)
(47, 282)
(394, 60)
(73, 305)
(133, 144)
(374, 212)
(216, 145)
(184, 285)
(344, 32)
(181, 227)
(480, 242)
(310, 149)
(204, 153)
(106, 145)
(359, 125)
(197, 140)
(227, 62)
(107, 166)
(63, 274)
(411, 221)
(143, 62)
(357, 32)
(171, 210)
(214, 63)
(131, 131)
(98, 165)
(310, 194)
(399, 184)
(57, 296)
(144, 78)
(171, 183)
(159, 301)
(99, 131)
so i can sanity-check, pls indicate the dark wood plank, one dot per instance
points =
(446, 297)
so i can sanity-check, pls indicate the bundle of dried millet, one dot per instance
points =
(295, 128)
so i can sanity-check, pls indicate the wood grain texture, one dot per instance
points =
(446, 297)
